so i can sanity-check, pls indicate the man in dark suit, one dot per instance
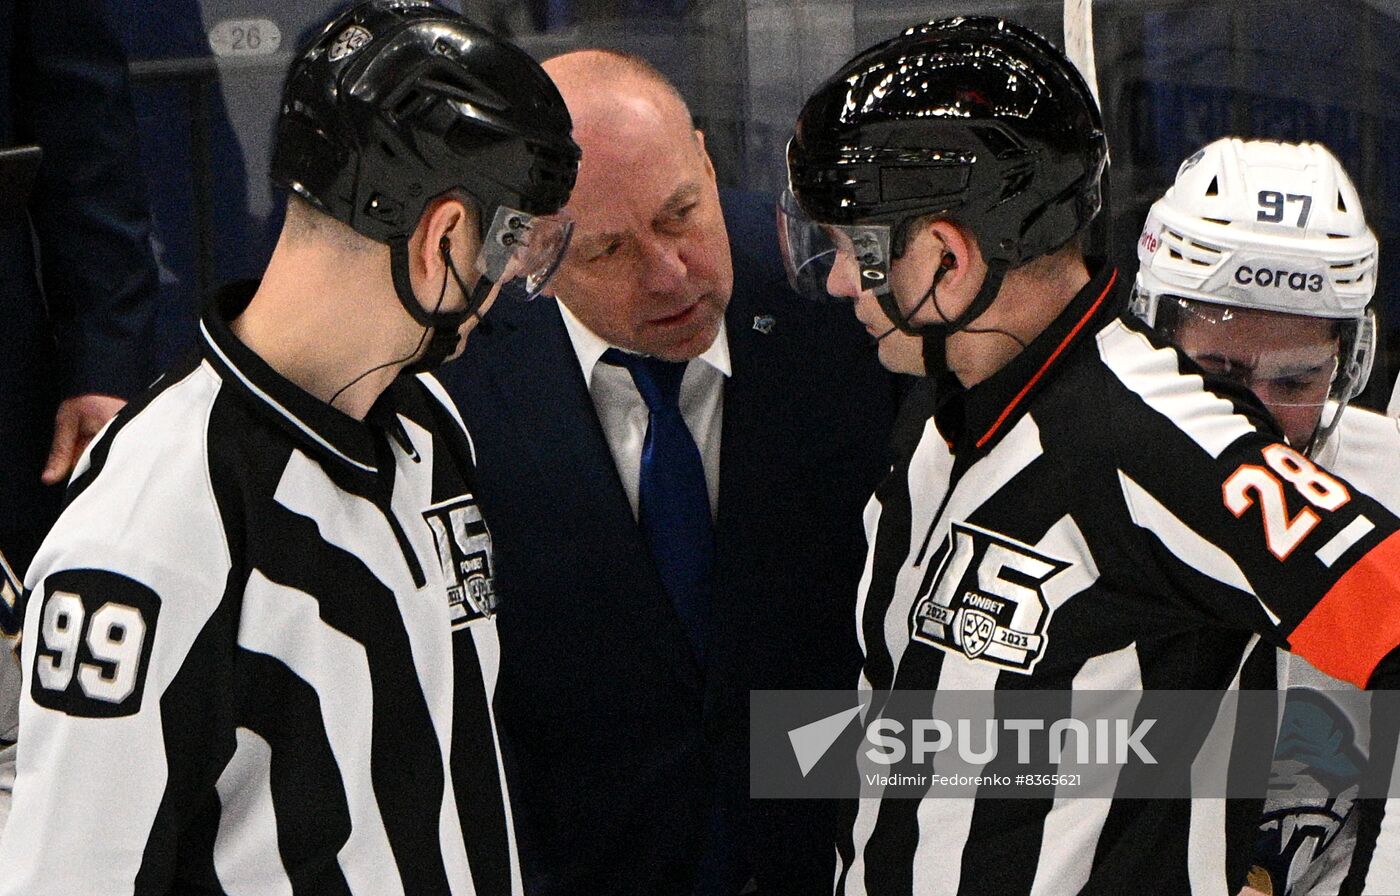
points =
(73, 349)
(628, 648)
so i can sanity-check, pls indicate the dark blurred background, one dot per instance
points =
(1172, 76)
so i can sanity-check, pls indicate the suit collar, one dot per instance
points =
(533, 365)
(589, 346)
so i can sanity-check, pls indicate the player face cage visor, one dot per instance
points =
(525, 247)
(1287, 360)
(811, 251)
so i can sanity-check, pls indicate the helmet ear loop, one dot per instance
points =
(441, 336)
(991, 285)
(476, 296)
(904, 322)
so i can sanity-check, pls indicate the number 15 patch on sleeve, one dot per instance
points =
(95, 633)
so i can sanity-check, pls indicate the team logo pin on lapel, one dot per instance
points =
(763, 323)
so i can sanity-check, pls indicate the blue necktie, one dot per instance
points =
(673, 501)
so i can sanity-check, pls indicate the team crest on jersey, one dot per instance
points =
(464, 549)
(988, 600)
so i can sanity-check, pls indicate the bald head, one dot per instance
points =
(606, 89)
(648, 268)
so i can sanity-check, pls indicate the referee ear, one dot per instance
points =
(446, 223)
(955, 248)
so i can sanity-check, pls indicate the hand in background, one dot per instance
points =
(78, 419)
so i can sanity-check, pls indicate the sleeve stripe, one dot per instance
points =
(1355, 606)
(1383, 875)
(1342, 542)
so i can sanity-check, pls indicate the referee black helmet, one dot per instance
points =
(398, 102)
(974, 119)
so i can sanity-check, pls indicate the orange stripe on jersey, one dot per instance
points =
(1357, 622)
(1030, 384)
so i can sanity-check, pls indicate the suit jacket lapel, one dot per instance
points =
(537, 371)
(756, 393)
(758, 426)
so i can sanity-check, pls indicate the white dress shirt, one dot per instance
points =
(623, 414)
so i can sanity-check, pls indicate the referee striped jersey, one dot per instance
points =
(260, 650)
(1096, 517)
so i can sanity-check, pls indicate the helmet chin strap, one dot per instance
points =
(935, 336)
(902, 321)
(443, 327)
(477, 295)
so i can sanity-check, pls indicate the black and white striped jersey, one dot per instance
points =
(260, 650)
(1096, 517)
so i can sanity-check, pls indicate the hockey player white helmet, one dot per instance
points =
(1267, 227)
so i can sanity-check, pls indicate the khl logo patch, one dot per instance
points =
(464, 549)
(988, 600)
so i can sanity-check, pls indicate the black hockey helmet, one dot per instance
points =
(397, 102)
(975, 119)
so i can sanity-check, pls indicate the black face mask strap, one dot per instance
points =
(476, 296)
(901, 321)
(991, 285)
(935, 352)
(896, 314)
(403, 288)
(445, 339)
(413, 368)
(935, 336)
(443, 326)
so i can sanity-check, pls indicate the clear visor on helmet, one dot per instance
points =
(1304, 369)
(811, 250)
(524, 247)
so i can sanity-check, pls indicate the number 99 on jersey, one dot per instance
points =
(94, 639)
